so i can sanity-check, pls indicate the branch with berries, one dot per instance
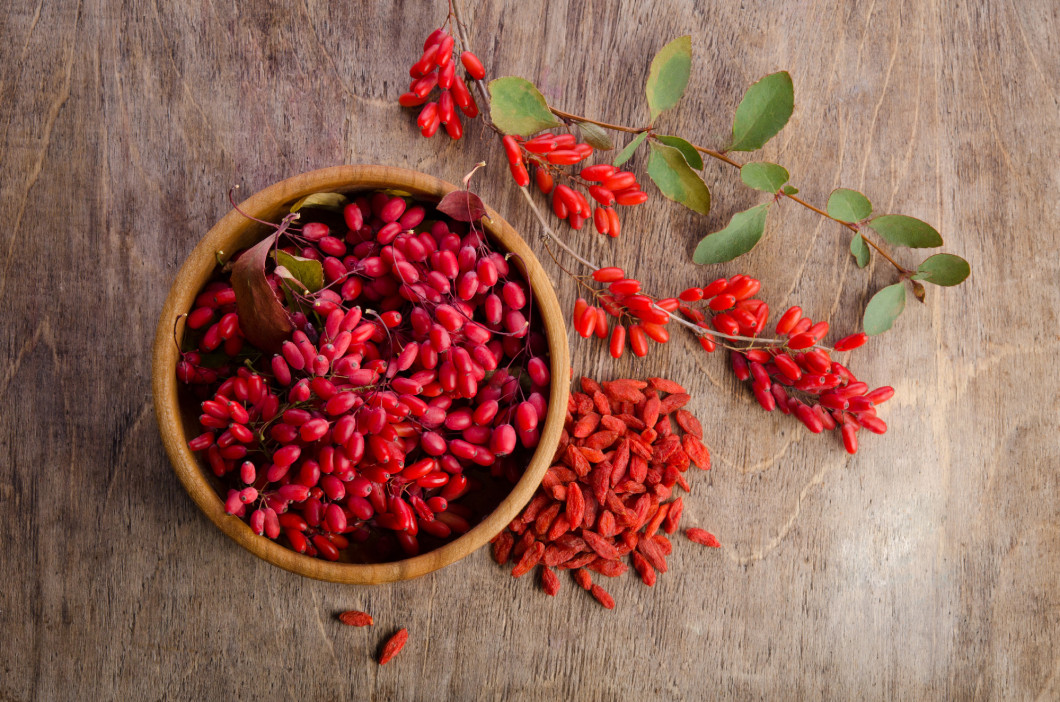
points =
(791, 371)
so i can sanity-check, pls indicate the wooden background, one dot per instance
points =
(924, 567)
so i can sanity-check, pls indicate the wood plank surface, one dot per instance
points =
(926, 567)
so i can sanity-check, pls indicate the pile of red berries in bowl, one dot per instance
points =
(369, 382)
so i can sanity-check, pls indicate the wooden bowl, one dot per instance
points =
(235, 232)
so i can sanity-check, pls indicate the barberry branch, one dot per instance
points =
(852, 227)
(550, 235)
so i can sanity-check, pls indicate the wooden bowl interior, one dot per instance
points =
(234, 232)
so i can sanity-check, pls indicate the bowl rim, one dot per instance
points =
(235, 231)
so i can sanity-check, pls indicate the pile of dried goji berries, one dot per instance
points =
(608, 493)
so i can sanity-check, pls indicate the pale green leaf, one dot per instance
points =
(943, 269)
(518, 108)
(298, 274)
(676, 179)
(627, 153)
(883, 309)
(901, 230)
(691, 155)
(330, 201)
(848, 205)
(764, 176)
(860, 249)
(744, 230)
(668, 76)
(765, 109)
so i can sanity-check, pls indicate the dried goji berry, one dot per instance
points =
(393, 646)
(695, 449)
(529, 560)
(599, 544)
(502, 546)
(356, 618)
(608, 568)
(575, 509)
(702, 536)
(673, 402)
(549, 581)
(586, 425)
(664, 385)
(644, 569)
(688, 423)
(673, 516)
(602, 596)
(653, 553)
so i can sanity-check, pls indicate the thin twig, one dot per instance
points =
(615, 127)
(480, 85)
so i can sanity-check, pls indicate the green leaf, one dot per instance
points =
(331, 201)
(860, 249)
(676, 179)
(305, 274)
(668, 76)
(517, 107)
(691, 155)
(595, 136)
(943, 269)
(883, 309)
(848, 205)
(901, 230)
(789, 190)
(764, 176)
(764, 110)
(737, 238)
(627, 153)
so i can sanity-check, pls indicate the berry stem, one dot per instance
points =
(456, 13)
(616, 127)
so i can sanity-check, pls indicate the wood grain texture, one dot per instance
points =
(925, 567)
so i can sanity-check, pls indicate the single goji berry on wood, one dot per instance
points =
(602, 596)
(702, 536)
(393, 646)
(356, 618)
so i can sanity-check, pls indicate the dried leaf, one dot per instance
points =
(262, 317)
(330, 201)
(595, 136)
(463, 206)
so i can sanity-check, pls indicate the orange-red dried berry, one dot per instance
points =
(702, 536)
(664, 385)
(356, 618)
(602, 597)
(502, 546)
(529, 560)
(644, 569)
(549, 581)
(393, 646)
